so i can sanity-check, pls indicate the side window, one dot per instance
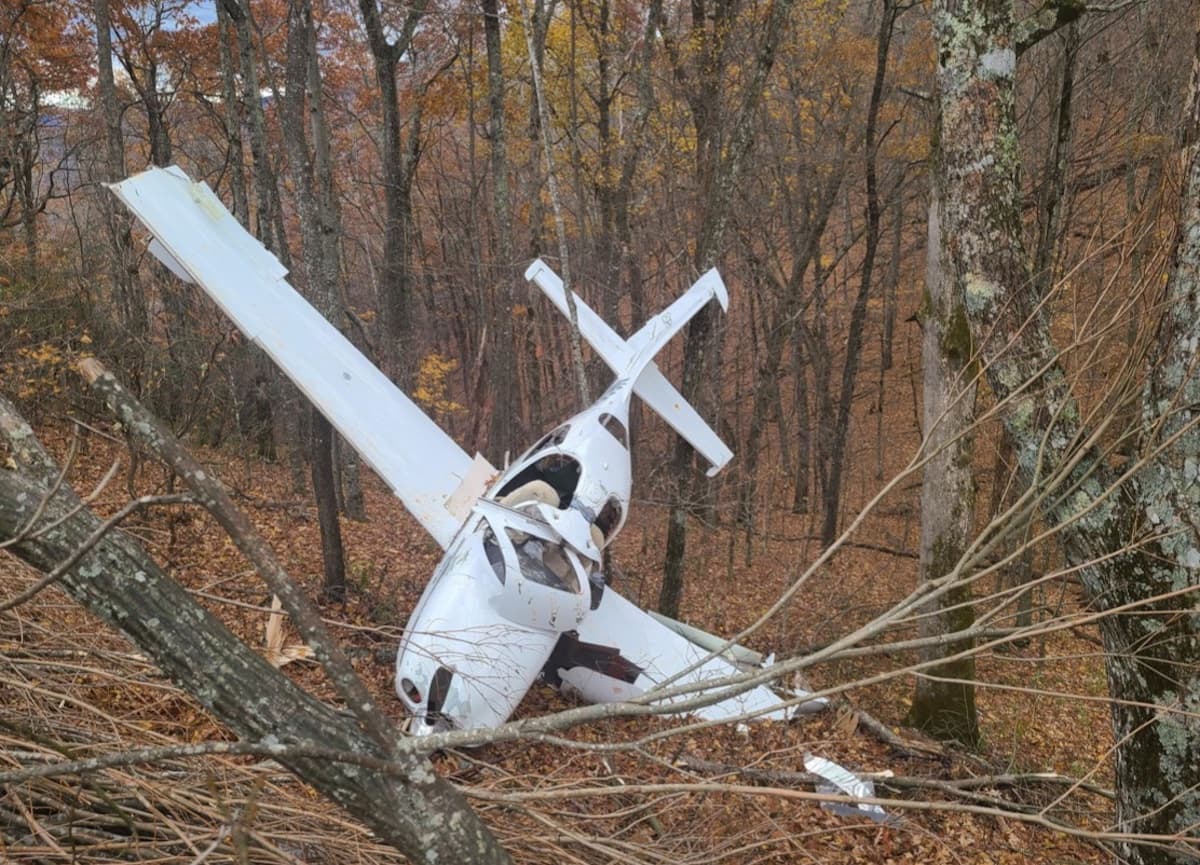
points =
(610, 518)
(616, 428)
(550, 439)
(495, 556)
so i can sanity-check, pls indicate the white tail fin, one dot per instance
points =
(635, 358)
(659, 330)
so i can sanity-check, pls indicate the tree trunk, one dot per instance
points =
(156, 119)
(262, 218)
(854, 340)
(27, 191)
(802, 473)
(765, 396)
(944, 706)
(718, 171)
(325, 492)
(398, 167)
(233, 120)
(133, 318)
(1053, 185)
(506, 431)
(266, 188)
(536, 28)
(349, 473)
(1152, 652)
(320, 230)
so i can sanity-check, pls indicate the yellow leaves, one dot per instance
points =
(42, 353)
(39, 370)
(431, 388)
(1144, 144)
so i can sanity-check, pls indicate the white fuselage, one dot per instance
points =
(521, 572)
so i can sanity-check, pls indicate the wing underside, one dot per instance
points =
(657, 654)
(197, 238)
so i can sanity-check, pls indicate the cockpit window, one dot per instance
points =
(610, 518)
(544, 562)
(558, 470)
(615, 427)
(495, 557)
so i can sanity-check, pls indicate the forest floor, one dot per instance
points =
(66, 678)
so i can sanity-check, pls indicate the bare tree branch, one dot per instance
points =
(117, 581)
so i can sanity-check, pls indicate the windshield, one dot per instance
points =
(544, 562)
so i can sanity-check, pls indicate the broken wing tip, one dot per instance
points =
(711, 280)
(720, 292)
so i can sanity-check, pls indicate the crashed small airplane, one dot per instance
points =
(519, 591)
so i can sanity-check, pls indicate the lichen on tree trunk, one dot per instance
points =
(1133, 541)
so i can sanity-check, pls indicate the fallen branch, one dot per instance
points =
(148, 432)
(956, 786)
(117, 581)
(104, 528)
(885, 734)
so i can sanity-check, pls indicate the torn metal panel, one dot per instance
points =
(843, 781)
(662, 655)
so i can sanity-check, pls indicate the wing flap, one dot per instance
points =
(196, 235)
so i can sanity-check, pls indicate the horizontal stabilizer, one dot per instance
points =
(661, 329)
(199, 240)
(633, 357)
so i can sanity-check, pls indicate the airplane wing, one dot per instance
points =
(622, 652)
(200, 241)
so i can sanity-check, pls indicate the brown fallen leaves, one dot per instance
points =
(69, 685)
